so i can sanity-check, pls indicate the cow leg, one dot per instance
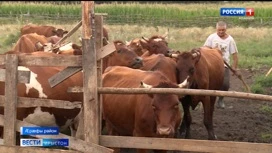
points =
(225, 87)
(208, 104)
(187, 119)
(136, 133)
(111, 131)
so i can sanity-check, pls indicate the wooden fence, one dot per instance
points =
(91, 64)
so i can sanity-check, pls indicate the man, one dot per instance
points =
(226, 43)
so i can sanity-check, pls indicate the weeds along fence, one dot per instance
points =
(140, 19)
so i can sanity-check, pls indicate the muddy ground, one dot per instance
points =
(242, 120)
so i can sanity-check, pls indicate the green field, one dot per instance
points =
(253, 42)
(174, 15)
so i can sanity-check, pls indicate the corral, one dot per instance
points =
(108, 141)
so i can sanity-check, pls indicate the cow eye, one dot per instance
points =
(192, 70)
(154, 46)
(176, 106)
(119, 51)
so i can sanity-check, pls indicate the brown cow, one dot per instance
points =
(204, 69)
(140, 115)
(47, 31)
(154, 45)
(135, 45)
(161, 63)
(123, 56)
(126, 57)
(33, 42)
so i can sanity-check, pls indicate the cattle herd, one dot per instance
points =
(139, 63)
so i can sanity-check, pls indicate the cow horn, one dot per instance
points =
(143, 85)
(39, 46)
(195, 54)
(128, 43)
(80, 39)
(105, 40)
(165, 35)
(174, 55)
(184, 83)
(144, 38)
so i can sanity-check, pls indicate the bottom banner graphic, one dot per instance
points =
(44, 142)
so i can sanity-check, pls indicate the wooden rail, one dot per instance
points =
(184, 144)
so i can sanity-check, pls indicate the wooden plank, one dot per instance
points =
(63, 75)
(58, 60)
(35, 102)
(103, 14)
(99, 44)
(69, 71)
(71, 32)
(184, 144)
(89, 65)
(2, 59)
(106, 50)
(17, 149)
(179, 91)
(10, 99)
(268, 72)
(23, 76)
(234, 94)
(74, 143)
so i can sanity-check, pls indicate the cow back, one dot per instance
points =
(211, 66)
(27, 43)
(45, 30)
(161, 63)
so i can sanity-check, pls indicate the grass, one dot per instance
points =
(262, 84)
(175, 15)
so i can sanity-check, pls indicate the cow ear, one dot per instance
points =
(143, 85)
(64, 32)
(54, 30)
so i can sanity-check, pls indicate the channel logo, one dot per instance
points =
(44, 142)
(237, 12)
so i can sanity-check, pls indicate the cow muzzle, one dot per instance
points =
(138, 63)
(165, 131)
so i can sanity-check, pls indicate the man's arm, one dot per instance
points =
(235, 61)
(208, 42)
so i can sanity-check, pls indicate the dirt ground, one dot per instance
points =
(242, 119)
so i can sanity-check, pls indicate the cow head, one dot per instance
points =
(59, 32)
(123, 56)
(47, 47)
(166, 109)
(136, 46)
(155, 45)
(186, 62)
(69, 49)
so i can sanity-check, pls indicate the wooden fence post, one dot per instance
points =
(10, 109)
(89, 65)
(99, 44)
